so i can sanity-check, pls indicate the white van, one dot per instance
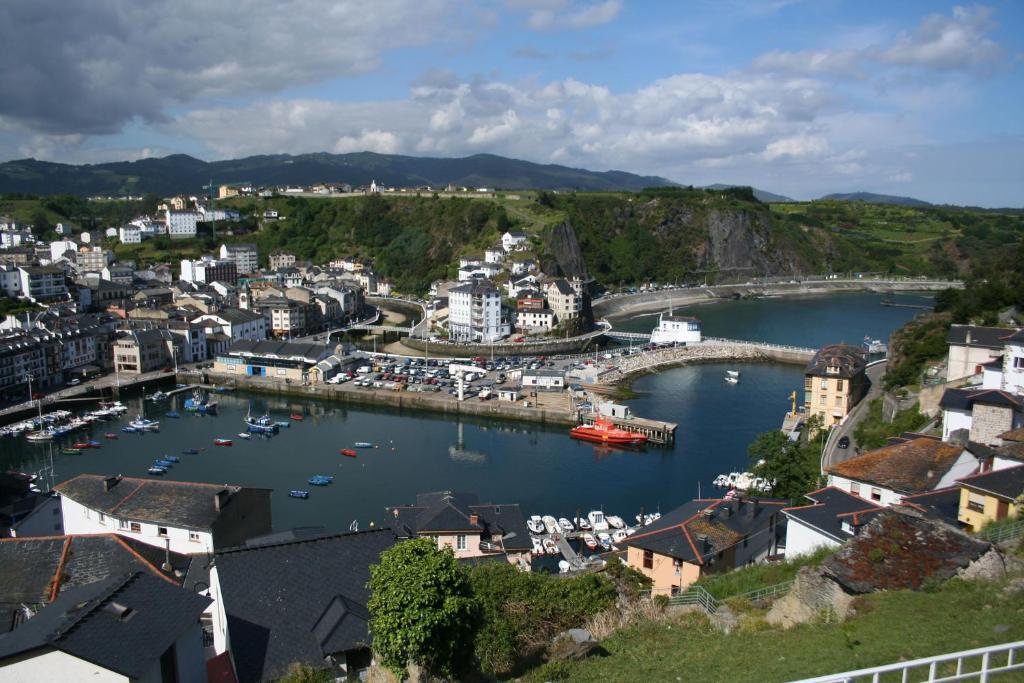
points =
(365, 370)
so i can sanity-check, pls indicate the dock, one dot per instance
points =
(656, 431)
(575, 563)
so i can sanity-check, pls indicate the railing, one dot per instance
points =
(698, 596)
(979, 664)
(758, 344)
(775, 591)
(1003, 532)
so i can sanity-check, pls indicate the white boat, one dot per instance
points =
(615, 522)
(566, 525)
(563, 567)
(243, 435)
(550, 547)
(590, 541)
(535, 525)
(732, 373)
(597, 520)
(630, 530)
(41, 435)
(732, 380)
(605, 540)
(550, 524)
(619, 535)
(144, 424)
(538, 547)
(721, 480)
(581, 523)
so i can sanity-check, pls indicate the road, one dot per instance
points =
(834, 455)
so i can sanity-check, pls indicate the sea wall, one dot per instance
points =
(547, 348)
(708, 352)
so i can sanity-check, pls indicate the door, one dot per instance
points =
(1002, 509)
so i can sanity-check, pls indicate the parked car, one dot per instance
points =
(844, 442)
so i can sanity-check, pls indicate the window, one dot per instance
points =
(839, 401)
(976, 502)
(1018, 362)
(876, 494)
(839, 385)
(193, 536)
(136, 528)
(824, 384)
(855, 488)
(161, 531)
(648, 559)
(103, 519)
(122, 524)
(460, 542)
(822, 399)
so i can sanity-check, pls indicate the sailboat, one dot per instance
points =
(43, 433)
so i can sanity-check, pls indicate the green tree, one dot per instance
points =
(423, 610)
(793, 466)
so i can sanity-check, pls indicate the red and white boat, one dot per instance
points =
(604, 431)
(296, 416)
(348, 452)
(222, 442)
(590, 541)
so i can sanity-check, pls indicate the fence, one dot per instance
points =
(698, 596)
(979, 664)
(1003, 532)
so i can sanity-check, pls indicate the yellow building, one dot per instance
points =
(834, 382)
(991, 496)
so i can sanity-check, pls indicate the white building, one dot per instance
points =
(543, 380)
(15, 238)
(209, 269)
(480, 270)
(475, 313)
(245, 256)
(970, 347)
(214, 214)
(235, 323)
(983, 413)
(535, 319)
(676, 329)
(130, 234)
(42, 282)
(194, 518)
(512, 241)
(118, 273)
(59, 247)
(181, 224)
(834, 517)
(1006, 373)
(494, 255)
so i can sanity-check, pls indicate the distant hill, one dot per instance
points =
(762, 195)
(182, 173)
(872, 198)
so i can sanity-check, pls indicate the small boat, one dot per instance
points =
(244, 435)
(165, 464)
(619, 535)
(190, 451)
(72, 451)
(320, 480)
(199, 403)
(348, 452)
(173, 414)
(129, 430)
(95, 444)
(604, 431)
(732, 373)
(222, 442)
(605, 540)
(172, 458)
(296, 416)
(41, 435)
(297, 493)
(144, 424)
(615, 522)
(597, 520)
(363, 444)
(732, 380)
(80, 445)
(538, 547)
(283, 424)
(550, 524)
(110, 437)
(550, 547)
(535, 525)
(581, 523)
(590, 541)
(155, 469)
(566, 525)
(563, 567)
(261, 425)
(721, 480)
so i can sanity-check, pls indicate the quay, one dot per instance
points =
(656, 431)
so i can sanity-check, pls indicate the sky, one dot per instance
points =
(802, 98)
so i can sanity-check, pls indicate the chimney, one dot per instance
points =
(166, 566)
(220, 499)
(111, 482)
(754, 507)
(474, 518)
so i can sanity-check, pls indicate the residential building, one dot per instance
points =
(475, 313)
(192, 340)
(906, 467)
(513, 240)
(460, 522)
(130, 234)
(280, 360)
(15, 238)
(10, 280)
(118, 273)
(564, 298)
(706, 536)
(42, 283)
(208, 214)
(181, 224)
(983, 413)
(287, 317)
(495, 254)
(209, 269)
(1007, 373)
(305, 594)
(970, 347)
(128, 628)
(139, 351)
(235, 323)
(188, 517)
(533, 320)
(991, 497)
(478, 270)
(246, 256)
(834, 382)
(226, 191)
(281, 259)
(93, 259)
(59, 248)
(833, 517)
(21, 357)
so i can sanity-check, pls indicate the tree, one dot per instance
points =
(793, 466)
(422, 607)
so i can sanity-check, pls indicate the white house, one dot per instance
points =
(181, 224)
(984, 413)
(535, 319)
(130, 234)
(58, 248)
(907, 467)
(235, 323)
(193, 518)
(475, 313)
(1006, 373)
(480, 270)
(970, 347)
(543, 380)
(511, 241)
(494, 255)
(833, 517)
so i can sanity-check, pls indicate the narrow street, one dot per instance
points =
(833, 454)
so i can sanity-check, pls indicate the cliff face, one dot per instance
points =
(564, 256)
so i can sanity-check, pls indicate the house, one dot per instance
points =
(513, 240)
(139, 351)
(991, 497)
(287, 317)
(281, 259)
(1006, 373)
(543, 380)
(494, 254)
(706, 536)
(460, 522)
(127, 628)
(833, 517)
(299, 600)
(119, 274)
(130, 234)
(191, 340)
(475, 313)
(534, 320)
(93, 259)
(209, 269)
(479, 270)
(834, 382)
(280, 360)
(984, 413)
(246, 256)
(181, 224)
(565, 298)
(906, 467)
(236, 323)
(187, 517)
(42, 283)
(970, 347)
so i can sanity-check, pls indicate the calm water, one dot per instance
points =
(539, 467)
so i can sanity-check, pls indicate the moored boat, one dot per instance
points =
(244, 435)
(538, 547)
(535, 525)
(144, 424)
(173, 414)
(732, 380)
(110, 437)
(615, 522)
(581, 523)
(72, 451)
(190, 451)
(348, 452)
(363, 444)
(597, 520)
(222, 442)
(550, 547)
(261, 425)
(605, 540)
(590, 541)
(566, 525)
(604, 431)
(157, 470)
(550, 524)
(320, 480)
(297, 493)
(296, 416)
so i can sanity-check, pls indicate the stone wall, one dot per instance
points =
(571, 345)
(988, 422)
(892, 404)
(813, 596)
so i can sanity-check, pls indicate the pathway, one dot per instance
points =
(832, 454)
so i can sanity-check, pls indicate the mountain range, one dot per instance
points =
(872, 198)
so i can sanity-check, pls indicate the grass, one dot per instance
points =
(758, 576)
(874, 431)
(887, 627)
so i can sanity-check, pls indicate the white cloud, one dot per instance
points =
(548, 15)
(379, 141)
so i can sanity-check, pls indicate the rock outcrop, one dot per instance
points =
(565, 256)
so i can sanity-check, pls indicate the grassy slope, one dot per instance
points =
(888, 627)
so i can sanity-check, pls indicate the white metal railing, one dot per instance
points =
(979, 664)
(1003, 532)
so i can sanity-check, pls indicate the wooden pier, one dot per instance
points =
(656, 431)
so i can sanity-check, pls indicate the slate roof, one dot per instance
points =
(941, 504)
(964, 399)
(181, 504)
(297, 601)
(831, 507)
(36, 570)
(449, 512)
(724, 522)
(563, 287)
(1016, 435)
(238, 316)
(849, 359)
(1006, 483)
(1016, 338)
(312, 353)
(123, 624)
(984, 337)
(909, 467)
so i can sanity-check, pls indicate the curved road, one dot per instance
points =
(834, 455)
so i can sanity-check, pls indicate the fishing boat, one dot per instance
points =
(297, 493)
(605, 540)
(348, 452)
(157, 396)
(363, 444)
(619, 535)
(566, 525)
(157, 470)
(604, 431)
(190, 451)
(72, 451)
(320, 480)
(130, 430)
(550, 524)
(535, 525)
(590, 541)
(144, 424)
(222, 442)
(581, 523)
(550, 547)
(200, 403)
(615, 522)
(173, 414)
(296, 416)
(597, 520)
(110, 436)
(260, 425)
(538, 547)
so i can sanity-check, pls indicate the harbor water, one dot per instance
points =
(503, 462)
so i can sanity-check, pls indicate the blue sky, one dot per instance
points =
(802, 98)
